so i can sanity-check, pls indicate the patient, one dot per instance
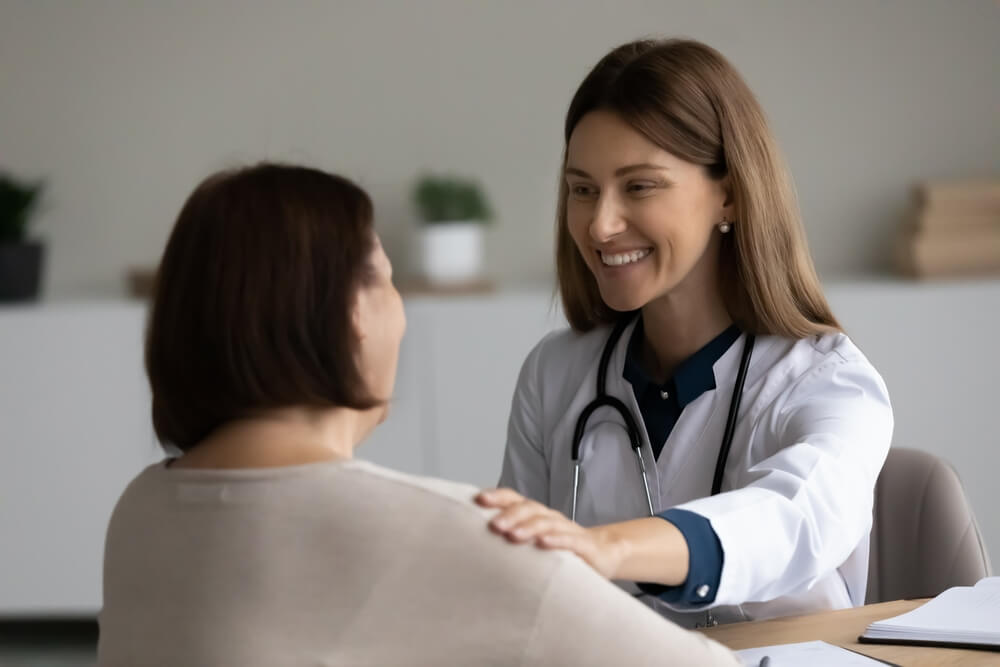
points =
(271, 352)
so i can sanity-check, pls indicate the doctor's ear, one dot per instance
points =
(728, 213)
(727, 191)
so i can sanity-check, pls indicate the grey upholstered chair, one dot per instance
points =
(924, 536)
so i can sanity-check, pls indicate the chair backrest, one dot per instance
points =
(924, 535)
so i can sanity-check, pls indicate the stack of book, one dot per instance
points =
(953, 229)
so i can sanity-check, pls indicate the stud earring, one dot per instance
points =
(725, 226)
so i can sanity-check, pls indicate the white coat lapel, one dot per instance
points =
(687, 462)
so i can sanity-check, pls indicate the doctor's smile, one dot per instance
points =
(616, 258)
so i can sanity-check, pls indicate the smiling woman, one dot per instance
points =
(644, 227)
(673, 128)
(678, 237)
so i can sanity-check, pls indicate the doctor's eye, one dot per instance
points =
(641, 187)
(582, 191)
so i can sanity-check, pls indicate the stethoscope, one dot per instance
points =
(603, 399)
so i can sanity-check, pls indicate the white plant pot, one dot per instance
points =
(451, 252)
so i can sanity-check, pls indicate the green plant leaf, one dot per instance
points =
(17, 203)
(443, 199)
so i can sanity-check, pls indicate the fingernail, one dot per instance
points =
(500, 524)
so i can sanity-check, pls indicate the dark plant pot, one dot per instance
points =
(20, 270)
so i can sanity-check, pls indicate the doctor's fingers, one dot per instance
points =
(499, 498)
(513, 516)
(539, 525)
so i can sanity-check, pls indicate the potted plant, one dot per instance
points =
(20, 259)
(454, 212)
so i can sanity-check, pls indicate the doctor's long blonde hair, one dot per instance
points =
(686, 98)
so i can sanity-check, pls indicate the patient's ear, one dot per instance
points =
(358, 317)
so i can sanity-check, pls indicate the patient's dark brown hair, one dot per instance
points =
(253, 300)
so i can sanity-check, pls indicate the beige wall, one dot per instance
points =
(123, 105)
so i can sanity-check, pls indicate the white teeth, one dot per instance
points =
(624, 257)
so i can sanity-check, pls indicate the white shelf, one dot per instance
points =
(74, 424)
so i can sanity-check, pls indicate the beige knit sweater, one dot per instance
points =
(348, 563)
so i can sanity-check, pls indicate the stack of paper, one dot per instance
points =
(964, 616)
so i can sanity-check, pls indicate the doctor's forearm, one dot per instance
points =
(651, 550)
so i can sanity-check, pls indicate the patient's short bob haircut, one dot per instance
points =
(253, 300)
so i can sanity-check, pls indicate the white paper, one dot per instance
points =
(813, 654)
(960, 614)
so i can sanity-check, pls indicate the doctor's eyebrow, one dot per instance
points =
(621, 171)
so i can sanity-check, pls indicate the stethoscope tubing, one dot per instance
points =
(603, 399)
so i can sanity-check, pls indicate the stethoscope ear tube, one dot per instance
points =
(576, 488)
(605, 400)
(602, 395)
(734, 408)
(615, 404)
(645, 480)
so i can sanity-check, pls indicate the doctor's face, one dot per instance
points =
(643, 219)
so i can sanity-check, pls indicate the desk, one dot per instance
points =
(842, 629)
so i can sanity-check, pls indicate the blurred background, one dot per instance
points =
(121, 107)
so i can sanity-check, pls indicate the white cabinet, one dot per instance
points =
(74, 409)
(458, 367)
(74, 429)
(74, 423)
(470, 362)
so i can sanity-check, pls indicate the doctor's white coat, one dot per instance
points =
(795, 512)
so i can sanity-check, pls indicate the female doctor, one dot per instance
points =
(705, 433)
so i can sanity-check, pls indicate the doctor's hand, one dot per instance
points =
(648, 549)
(522, 520)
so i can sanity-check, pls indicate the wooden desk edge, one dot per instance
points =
(842, 628)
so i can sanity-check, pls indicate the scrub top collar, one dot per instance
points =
(693, 377)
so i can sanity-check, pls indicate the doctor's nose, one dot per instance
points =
(608, 221)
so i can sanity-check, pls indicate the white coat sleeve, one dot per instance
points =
(525, 468)
(808, 503)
